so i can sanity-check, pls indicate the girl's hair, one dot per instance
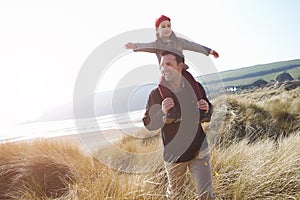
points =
(161, 19)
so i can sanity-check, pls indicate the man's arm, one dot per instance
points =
(153, 116)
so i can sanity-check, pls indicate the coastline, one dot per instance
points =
(89, 142)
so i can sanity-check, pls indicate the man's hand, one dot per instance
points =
(214, 53)
(167, 104)
(203, 105)
(130, 46)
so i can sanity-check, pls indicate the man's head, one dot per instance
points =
(171, 65)
(163, 26)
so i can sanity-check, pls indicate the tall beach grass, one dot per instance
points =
(255, 154)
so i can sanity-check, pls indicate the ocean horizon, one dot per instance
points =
(49, 129)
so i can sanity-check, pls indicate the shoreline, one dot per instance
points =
(88, 141)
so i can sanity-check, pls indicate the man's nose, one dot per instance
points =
(163, 68)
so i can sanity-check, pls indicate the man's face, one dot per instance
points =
(169, 67)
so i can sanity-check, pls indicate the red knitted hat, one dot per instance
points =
(161, 19)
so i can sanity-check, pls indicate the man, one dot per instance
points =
(185, 144)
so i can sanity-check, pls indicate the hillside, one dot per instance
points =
(105, 103)
(248, 75)
(255, 114)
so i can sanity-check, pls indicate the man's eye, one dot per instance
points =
(163, 26)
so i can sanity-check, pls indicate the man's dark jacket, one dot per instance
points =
(183, 140)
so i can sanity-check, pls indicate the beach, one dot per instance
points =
(85, 130)
(92, 141)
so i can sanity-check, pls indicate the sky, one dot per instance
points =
(43, 44)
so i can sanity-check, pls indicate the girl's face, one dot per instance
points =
(164, 29)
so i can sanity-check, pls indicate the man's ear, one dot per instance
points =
(181, 65)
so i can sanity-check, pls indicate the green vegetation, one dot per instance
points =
(254, 138)
(248, 75)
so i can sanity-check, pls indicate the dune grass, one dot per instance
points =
(46, 170)
(258, 171)
(250, 158)
(266, 113)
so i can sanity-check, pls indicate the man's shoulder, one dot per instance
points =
(154, 91)
(199, 84)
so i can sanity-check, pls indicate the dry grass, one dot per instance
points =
(46, 170)
(37, 169)
(255, 115)
(250, 166)
(258, 171)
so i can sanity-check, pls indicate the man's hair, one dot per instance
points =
(178, 56)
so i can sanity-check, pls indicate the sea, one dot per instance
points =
(50, 129)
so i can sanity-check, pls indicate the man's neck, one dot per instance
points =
(176, 84)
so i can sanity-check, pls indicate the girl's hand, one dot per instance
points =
(214, 53)
(130, 46)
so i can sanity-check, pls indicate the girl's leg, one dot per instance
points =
(173, 115)
(204, 117)
(189, 77)
(163, 89)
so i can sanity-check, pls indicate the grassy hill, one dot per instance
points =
(248, 75)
